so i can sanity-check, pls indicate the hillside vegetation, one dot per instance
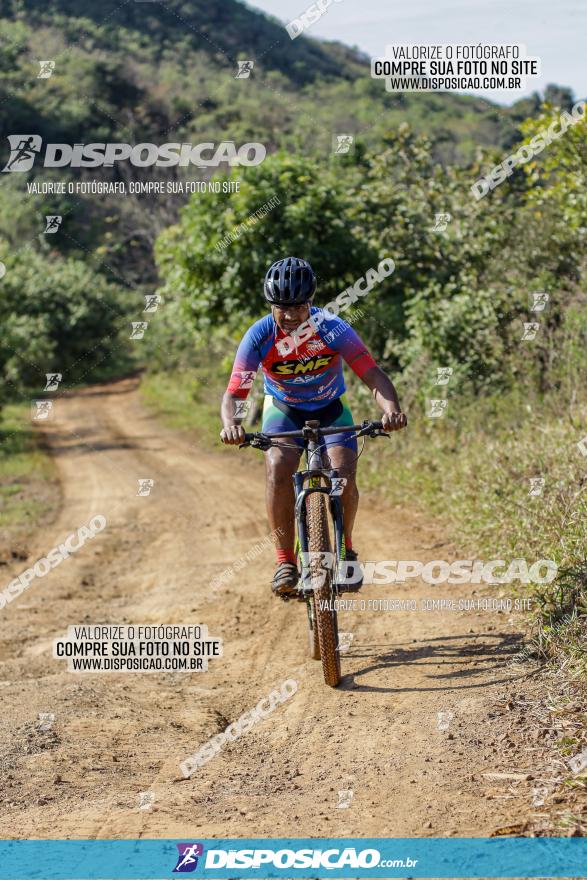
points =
(136, 72)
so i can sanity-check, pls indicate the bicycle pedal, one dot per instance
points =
(285, 597)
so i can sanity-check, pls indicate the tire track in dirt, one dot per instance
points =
(116, 735)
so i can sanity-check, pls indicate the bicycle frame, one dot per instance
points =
(314, 474)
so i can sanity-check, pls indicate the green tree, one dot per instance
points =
(60, 316)
(214, 260)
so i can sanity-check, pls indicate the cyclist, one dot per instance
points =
(303, 380)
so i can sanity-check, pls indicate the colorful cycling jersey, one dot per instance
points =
(307, 374)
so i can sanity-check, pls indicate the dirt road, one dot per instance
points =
(117, 735)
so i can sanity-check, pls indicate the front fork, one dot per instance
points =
(301, 492)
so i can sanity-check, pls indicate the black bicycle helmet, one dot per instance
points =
(290, 282)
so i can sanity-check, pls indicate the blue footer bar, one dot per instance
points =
(295, 857)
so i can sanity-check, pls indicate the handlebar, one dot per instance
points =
(261, 440)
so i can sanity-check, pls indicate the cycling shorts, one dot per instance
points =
(280, 416)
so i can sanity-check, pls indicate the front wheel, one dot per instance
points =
(313, 643)
(325, 622)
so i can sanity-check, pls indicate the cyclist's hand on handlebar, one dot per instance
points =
(233, 435)
(394, 421)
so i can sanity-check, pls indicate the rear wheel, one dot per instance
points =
(325, 622)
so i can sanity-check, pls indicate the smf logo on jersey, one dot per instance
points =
(292, 368)
(23, 151)
(187, 859)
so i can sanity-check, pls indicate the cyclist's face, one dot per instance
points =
(289, 318)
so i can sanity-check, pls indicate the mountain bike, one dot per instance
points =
(324, 574)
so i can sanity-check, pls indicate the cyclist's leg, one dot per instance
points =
(344, 459)
(280, 464)
(342, 452)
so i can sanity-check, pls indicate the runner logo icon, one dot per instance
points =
(23, 151)
(187, 860)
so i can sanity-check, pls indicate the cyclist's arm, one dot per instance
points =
(232, 430)
(246, 364)
(359, 359)
(386, 398)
